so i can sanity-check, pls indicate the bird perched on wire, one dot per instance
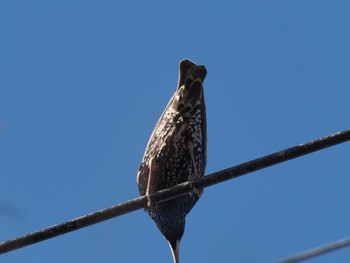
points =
(176, 153)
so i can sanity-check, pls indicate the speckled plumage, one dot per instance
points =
(176, 153)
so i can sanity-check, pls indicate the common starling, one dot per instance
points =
(176, 153)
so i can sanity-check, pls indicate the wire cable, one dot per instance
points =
(317, 251)
(175, 191)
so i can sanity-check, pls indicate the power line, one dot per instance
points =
(175, 191)
(317, 251)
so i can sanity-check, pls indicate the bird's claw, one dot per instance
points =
(149, 202)
(197, 191)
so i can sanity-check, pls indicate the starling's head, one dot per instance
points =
(190, 86)
(190, 72)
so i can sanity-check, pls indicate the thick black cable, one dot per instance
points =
(175, 191)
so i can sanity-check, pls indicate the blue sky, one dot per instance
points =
(82, 84)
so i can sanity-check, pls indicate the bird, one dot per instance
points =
(176, 152)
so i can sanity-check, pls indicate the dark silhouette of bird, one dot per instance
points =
(176, 153)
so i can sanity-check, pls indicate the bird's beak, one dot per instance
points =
(175, 250)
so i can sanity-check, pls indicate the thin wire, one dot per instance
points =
(317, 251)
(175, 191)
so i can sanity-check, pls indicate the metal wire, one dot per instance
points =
(317, 251)
(175, 191)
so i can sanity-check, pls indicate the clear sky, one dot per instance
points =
(82, 84)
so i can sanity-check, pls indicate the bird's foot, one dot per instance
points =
(149, 202)
(197, 191)
(195, 176)
(149, 181)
